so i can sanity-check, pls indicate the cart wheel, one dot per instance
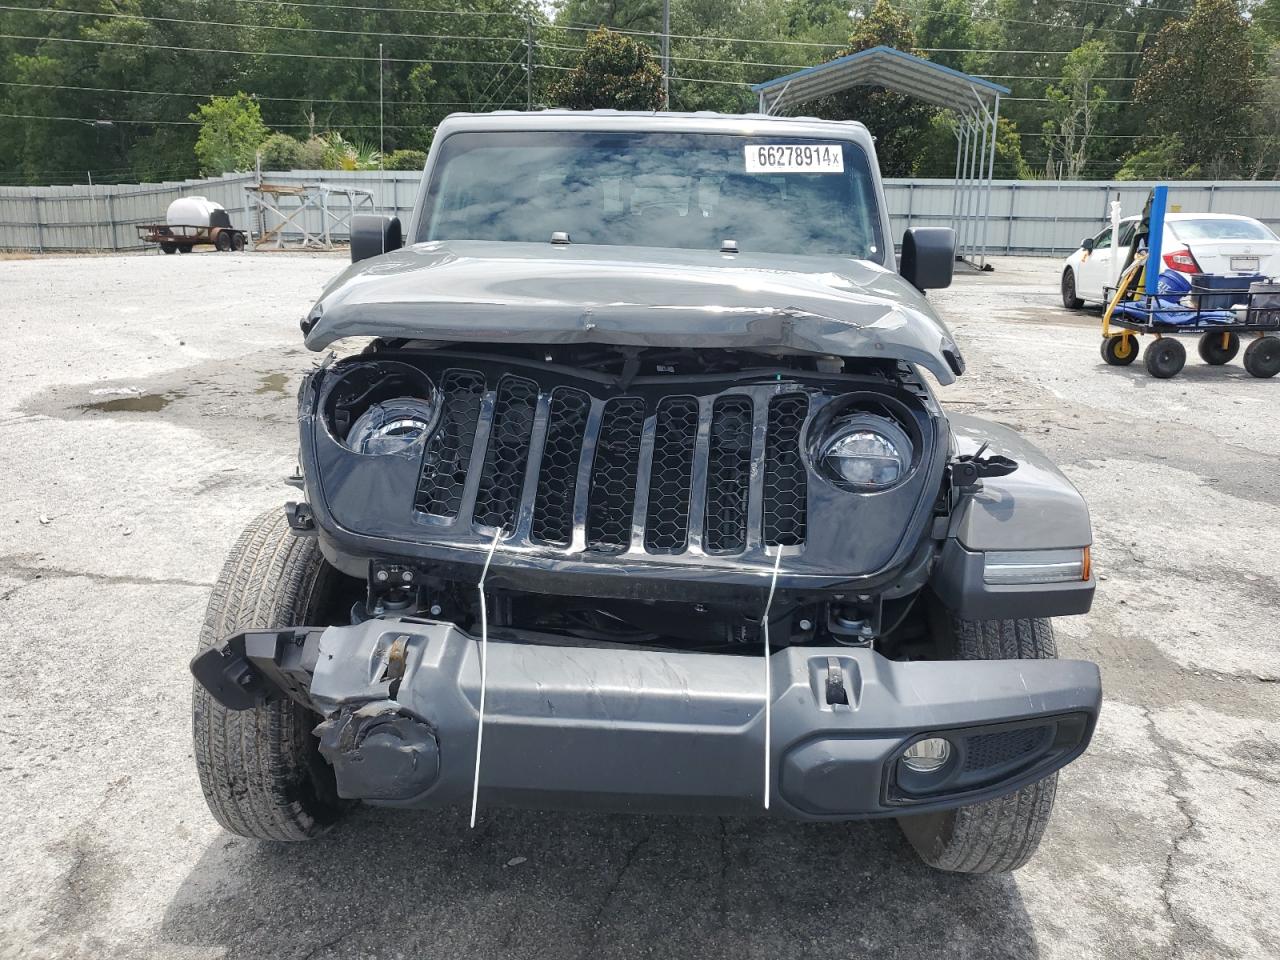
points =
(237, 242)
(1069, 298)
(169, 247)
(1262, 357)
(1164, 358)
(222, 241)
(1214, 353)
(184, 248)
(1120, 351)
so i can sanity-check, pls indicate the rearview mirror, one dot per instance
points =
(373, 235)
(928, 257)
(1087, 244)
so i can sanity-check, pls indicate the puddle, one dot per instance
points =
(141, 403)
(273, 383)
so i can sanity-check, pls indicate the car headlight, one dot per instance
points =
(393, 426)
(865, 452)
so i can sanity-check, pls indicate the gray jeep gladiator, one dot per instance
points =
(637, 496)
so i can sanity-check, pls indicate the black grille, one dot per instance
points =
(558, 475)
(613, 475)
(728, 475)
(786, 489)
(666, 528)
(988, 750)
(502, 477)
(448, 454)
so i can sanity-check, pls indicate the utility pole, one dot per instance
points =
(382, 148)
(666, 54)
(528, 64)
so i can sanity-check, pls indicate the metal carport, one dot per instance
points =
(974, 102)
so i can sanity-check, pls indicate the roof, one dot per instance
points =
(883, 67)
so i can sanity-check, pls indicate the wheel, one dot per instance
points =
(999, 835)
(1164, 357)
(222, 242)
(1262, 357)
(1069, 298)
(237, 242)
(1119, 350)
(169, 247)
(260, 769)
(184, 248)
(1214, 353)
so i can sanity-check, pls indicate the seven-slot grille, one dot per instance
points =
(677, 470)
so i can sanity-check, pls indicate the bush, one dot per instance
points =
(280, 152)
(314, 155)
(405, 160)
(231, 130)
(613, 72)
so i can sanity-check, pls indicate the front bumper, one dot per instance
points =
(657, 731)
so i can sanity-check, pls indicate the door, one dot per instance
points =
(1095, 269)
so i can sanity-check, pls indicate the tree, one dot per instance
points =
(280, 152)
(613, 72)
(406, 160)
(1075, 106)
(231, 130)
(1197, 83)
(899, 123)
(1159, 160)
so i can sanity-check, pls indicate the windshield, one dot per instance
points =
(693, 191)
(1221, 230)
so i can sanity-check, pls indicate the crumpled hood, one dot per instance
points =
(477, 291)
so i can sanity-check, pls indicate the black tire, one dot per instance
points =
(222, 242)
(260, 770)
(169, 247)
(237, 241)
(1212, 351)
(1069, 298)
(184, 248)
(1164, 357)
(1262, 357)
(999, 835)
(1119, 351)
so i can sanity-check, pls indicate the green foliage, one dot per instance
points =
(314, 155)
(406, 160)
(1196, 84)
(614, 72)
(344, 154)
(280, 152)
(1162, 160)
(231, 130)
(1076, 106)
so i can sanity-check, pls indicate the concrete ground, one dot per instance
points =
(146, 414)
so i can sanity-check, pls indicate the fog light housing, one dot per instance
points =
(927, 756)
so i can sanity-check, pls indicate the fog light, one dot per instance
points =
(927, 756)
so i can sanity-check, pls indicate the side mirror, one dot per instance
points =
(928, 257)
(1087, 244)
(373, 235)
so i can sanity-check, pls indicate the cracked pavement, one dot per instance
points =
(147, 415)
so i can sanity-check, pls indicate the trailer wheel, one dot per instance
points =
(184, 248)
(1164, 358)
(222, 242)
(237, 242)
(1262, 357)
(1000, 835)
(1119, 350)
(169, 247)
(1214, 353)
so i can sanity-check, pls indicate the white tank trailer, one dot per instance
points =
(190, 221)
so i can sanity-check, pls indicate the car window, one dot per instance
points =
(1220, 230)
(689, 191)
(1103, 240)
(1126, 233)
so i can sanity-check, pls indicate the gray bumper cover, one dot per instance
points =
(657, 731)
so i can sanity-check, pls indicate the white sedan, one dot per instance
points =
(1222, 244)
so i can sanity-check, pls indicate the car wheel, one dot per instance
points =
(1214, 353)
(1262, 357)
(995, 836)
(1119, 350)
(260, 769)
(169, 247)
(1069, 298)
(1165, 357)
(222, 241)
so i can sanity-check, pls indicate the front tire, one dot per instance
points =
(1119, 350)
(996, 836)
(1069, 298)
(1164, 358)
(1262, 357)
(262, 774)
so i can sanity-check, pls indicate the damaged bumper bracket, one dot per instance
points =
(655, 731)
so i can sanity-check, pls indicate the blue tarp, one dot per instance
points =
(1166, 307)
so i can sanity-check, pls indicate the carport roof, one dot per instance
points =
(882, 67)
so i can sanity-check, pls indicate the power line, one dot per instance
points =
(190, 123)
(256, 96)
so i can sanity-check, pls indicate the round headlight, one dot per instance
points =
(866, 452)
(393, 426)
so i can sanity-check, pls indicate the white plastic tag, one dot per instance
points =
(794, 158)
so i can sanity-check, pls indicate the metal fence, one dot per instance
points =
(1027, 216)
